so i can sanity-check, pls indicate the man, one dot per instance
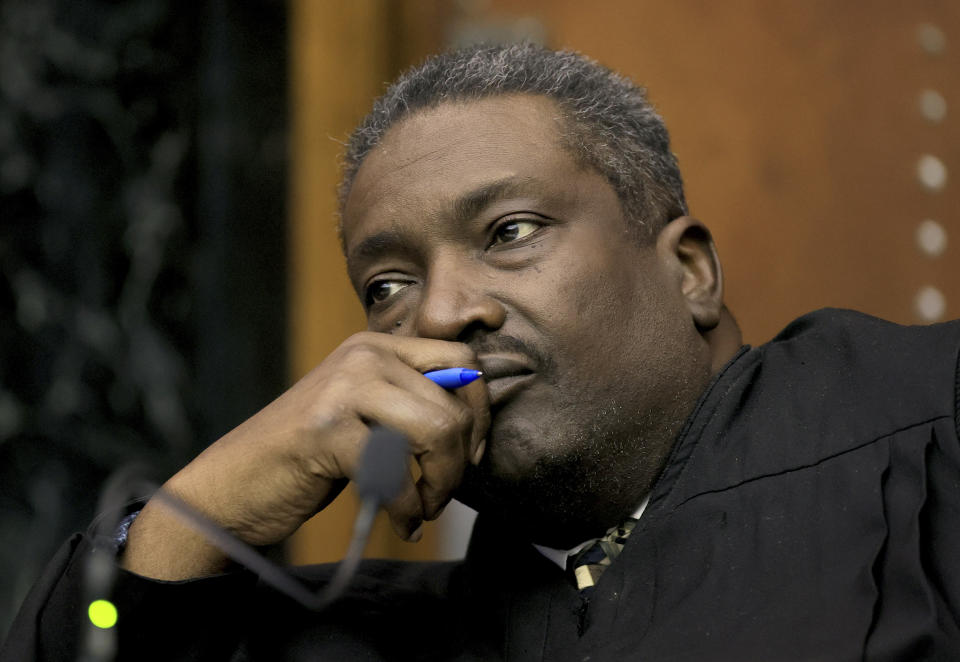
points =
(519, 211)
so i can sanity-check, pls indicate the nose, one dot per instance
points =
(458, 301)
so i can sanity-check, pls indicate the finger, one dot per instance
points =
(406, 509)
(439, 478)
(468, 419)
(477, 398)
(473, 395)
(438, 432)
(422, 354)
(337, 459)
(406, 512)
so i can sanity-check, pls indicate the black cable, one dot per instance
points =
(380, 477)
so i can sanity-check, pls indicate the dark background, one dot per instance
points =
(142, 239)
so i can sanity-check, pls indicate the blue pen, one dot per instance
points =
(453, 377)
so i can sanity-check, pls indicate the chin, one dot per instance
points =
(514, 447)
(535, 491)
(551, 476)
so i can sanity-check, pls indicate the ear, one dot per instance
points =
(686, 246)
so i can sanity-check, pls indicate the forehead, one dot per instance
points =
(434, 155)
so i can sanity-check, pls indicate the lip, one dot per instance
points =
(505, 375)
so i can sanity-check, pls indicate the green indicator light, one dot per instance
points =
(102, 614)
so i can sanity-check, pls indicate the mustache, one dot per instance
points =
(503, 344)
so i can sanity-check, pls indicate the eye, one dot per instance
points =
(381, 290)
(513, 231)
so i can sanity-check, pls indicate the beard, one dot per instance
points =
(583, 481)
(570, 457)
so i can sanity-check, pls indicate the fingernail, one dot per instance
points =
(416, 535)
(478, 453)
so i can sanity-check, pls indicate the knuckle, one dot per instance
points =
(452, 422)
(438, 429)
(321, 421)
(362, 355)
(361, 338)
(462, 418)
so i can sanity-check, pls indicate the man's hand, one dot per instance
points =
(266, 477)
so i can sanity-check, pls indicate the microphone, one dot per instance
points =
(380, 477)
(383, 465)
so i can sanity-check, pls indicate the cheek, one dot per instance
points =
(597, 313)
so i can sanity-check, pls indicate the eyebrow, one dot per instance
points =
(463, 208)
(471, 204)
(376, 245)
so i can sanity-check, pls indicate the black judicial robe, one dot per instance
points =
(810, 510)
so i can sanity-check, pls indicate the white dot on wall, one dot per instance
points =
(931, 237)
(931, 172)
(933, 106)
(931, 38)
(930, 304)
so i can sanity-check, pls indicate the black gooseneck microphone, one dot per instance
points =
(380, 477)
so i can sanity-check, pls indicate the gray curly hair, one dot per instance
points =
(609, 124)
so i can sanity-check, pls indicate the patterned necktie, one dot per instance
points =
(589, 563)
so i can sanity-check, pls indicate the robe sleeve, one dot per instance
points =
(199, 619)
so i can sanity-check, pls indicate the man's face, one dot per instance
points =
(471, 222)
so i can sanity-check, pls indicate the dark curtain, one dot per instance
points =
(142, 232)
